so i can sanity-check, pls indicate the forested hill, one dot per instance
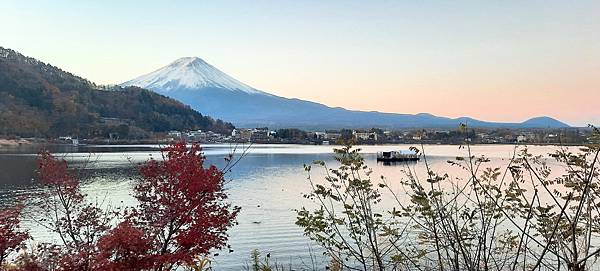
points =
(40, 100)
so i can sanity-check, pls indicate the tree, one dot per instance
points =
(11, 234)
(124, 248)
(520, 216)
(65, 211)
(291, 133)
(567, 222)
(347, 222)
(182, 215)
(182, 207)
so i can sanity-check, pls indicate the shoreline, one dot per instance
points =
(30, 142)
(14, 142)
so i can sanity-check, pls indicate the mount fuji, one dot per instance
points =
(210, 91)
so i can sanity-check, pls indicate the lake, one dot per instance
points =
(267, 183)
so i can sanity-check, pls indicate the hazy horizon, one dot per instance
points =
(504, 61)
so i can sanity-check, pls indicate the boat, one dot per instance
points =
(397, 156)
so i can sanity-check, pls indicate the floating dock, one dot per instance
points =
(397, 156)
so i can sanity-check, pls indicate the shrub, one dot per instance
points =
(521, 217)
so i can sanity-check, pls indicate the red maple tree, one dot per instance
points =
(182, 214)
(11, 234)
(182, 206)
(78, 223)
(124, 248)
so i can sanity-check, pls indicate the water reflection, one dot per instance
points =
(268, 184)
(399, 163)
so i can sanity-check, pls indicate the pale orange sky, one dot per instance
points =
(500, 61)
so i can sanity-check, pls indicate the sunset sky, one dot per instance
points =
(496, 61)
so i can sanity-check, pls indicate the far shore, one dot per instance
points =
(13, 142)
(32, 142)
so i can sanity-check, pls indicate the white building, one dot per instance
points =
(365, 135)
(174, 134)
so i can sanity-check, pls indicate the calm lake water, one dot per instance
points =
(268, 184)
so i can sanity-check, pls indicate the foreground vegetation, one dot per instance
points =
(521, 216)
(181, 215)
(524, 217)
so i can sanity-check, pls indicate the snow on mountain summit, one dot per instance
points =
(208, 90)
(189, 73)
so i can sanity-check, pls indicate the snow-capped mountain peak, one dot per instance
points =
(208, 90)
(189, 73)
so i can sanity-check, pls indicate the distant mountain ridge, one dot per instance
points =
(38, 99)
(194, 82)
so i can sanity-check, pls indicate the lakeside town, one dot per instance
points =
(264, 135)
(375, 136)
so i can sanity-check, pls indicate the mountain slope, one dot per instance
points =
(189, 73)
(37, 99)
(209, 90)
